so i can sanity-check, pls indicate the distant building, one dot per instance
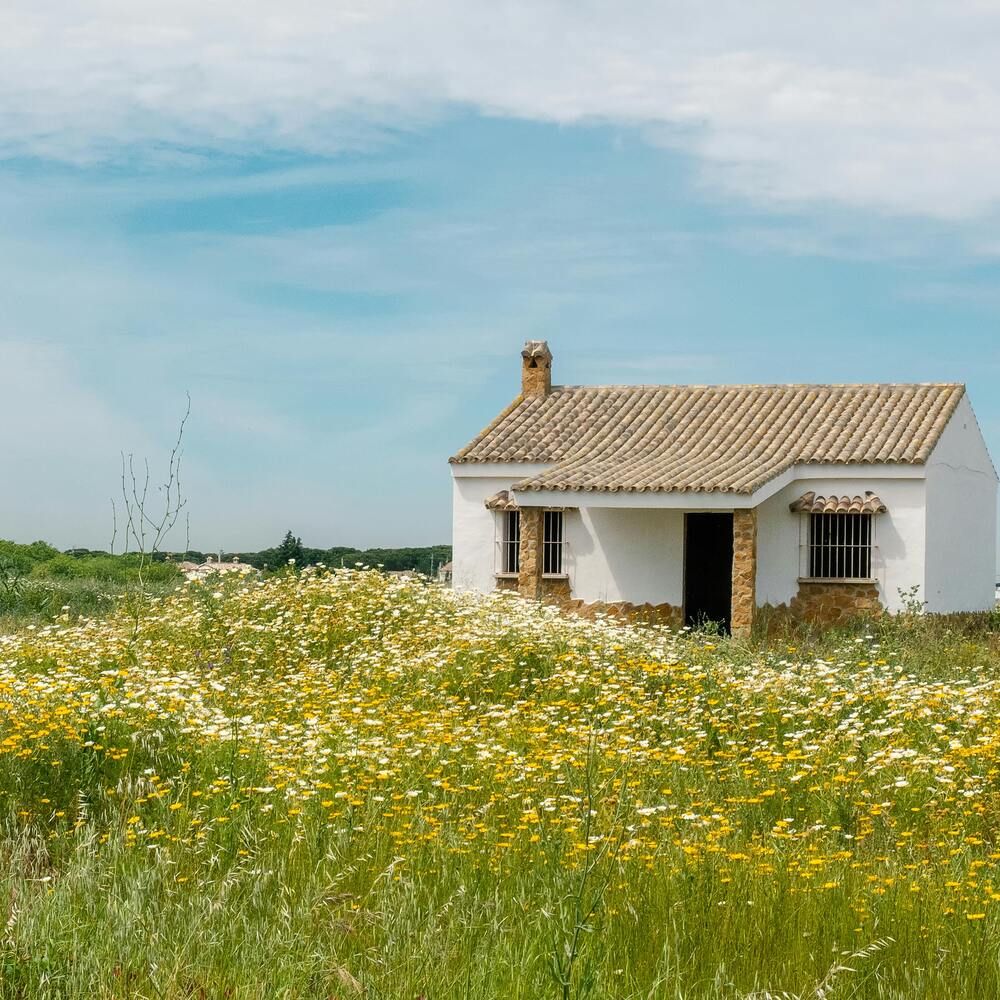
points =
(709, 502)
(444, 573)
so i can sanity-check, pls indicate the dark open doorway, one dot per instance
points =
(708, 569)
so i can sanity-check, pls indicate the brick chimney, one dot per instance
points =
(536, 369)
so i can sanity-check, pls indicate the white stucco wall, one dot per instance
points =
(961, 519)
(613, 554)
(474, 532)
(899, 535)
(617, 554)
(637, 555)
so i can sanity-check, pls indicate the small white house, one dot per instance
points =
(709, 502)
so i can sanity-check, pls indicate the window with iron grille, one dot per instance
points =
(552, 543)
(840, 546)
(510, 543)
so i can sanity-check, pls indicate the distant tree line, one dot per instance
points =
(39, 560)
(424, 559)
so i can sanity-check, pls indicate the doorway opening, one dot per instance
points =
(708, 569)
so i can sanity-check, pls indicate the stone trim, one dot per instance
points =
(831, 602)
(654, 614)
(556, 590)
(744, 594)
(529, 579)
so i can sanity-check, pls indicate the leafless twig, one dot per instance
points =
(146, 529)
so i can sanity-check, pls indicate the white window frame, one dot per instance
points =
(845, 548)
(507, 558)
(554, 547)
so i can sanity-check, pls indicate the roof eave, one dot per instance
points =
(461, 455)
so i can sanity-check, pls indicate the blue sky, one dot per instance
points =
(342, 275)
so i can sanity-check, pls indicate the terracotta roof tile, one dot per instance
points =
(501, 501)
(725, 438)
(811, 503)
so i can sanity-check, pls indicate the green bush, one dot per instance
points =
(108, 569)
(17, 561)
(38, 583)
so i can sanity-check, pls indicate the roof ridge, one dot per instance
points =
(767, 385)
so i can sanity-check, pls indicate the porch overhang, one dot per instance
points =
(716, 500)
(634, 500)
(502, 501)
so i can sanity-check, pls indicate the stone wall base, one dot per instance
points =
(551, 590)
(556, 591)
(830, 603)
(825, 603)
(653, 614)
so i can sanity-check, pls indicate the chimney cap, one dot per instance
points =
(536, 349)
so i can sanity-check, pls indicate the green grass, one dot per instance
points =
(40, 601)
(40, 585)
(320, 787)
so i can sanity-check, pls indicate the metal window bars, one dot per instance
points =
(553, 544)
(840, 546)
(509, 542)
(555, 548)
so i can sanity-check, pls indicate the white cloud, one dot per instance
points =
(888, 105)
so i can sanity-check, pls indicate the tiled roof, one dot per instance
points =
(810, 503)
(501, 501)
(724, 438)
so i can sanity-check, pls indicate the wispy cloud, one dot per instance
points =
(883, 105)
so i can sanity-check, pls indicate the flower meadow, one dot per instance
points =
(335, 784)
